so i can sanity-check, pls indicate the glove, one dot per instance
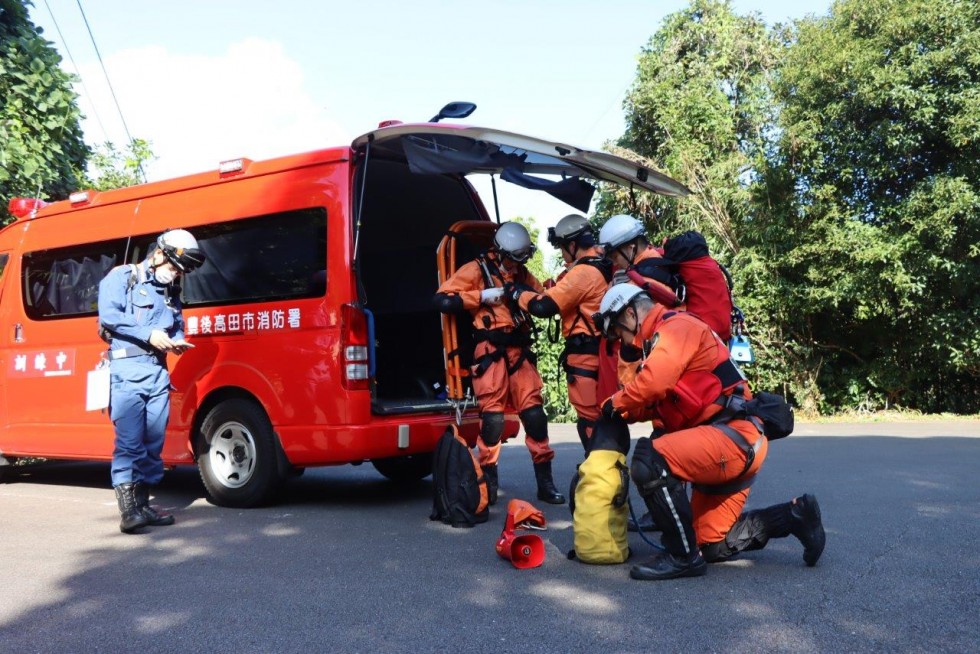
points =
(513, 291)
(491, 296)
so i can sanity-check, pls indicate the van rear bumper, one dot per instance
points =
(391, 436)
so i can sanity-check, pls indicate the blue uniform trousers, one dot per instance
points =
(139, 408)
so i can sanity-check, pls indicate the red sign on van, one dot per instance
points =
(43, 363)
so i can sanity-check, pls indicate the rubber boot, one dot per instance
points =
(807, 526)
(153, 517)
(490, 473)
(132, 518)
(546, 485)
(670, 566)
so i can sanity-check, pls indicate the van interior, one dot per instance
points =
(403, 217)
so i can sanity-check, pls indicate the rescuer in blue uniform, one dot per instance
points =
(140, 317)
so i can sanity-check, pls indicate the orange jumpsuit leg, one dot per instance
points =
(582, 393)
(525, 393)
(705, 455)
(491, 392)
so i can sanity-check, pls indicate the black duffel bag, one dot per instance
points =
(775, 412)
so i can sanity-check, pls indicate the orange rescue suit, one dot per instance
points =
(512, 379)
(676, 389)
(577, 293)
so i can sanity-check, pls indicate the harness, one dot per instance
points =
(501, 340)
(733, 408)
(731, 399)
(522, 319)
(584, 343)
(522, 336)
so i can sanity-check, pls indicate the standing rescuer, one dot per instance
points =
(575, 297)
(503, 365)
(140, 315)
(695, 396)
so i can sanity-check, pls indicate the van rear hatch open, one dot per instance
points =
(410, 187)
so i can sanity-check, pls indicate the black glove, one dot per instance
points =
(513, 290)
(608, 410)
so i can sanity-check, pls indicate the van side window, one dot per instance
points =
(64, 282)
(272, 257)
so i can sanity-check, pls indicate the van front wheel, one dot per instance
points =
(236, 454)
(408, 468)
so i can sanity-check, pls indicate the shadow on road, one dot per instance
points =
(348, 561)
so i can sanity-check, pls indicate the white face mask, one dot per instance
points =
(164, 275)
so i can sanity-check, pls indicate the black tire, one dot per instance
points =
(237, 455)
(408, 468)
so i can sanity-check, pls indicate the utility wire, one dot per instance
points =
(139, 165)
(78, 72)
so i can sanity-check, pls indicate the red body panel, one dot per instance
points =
(292, 367)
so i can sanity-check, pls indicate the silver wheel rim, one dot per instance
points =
(232, 454)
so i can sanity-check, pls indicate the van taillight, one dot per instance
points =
(355, 349)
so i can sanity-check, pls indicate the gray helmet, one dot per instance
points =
(568, 229)
(513, 241)
(613, 303)
(620, 229)
(181, 249)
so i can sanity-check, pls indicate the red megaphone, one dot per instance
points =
(525, 551)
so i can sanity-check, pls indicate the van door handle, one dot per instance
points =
(18, 333)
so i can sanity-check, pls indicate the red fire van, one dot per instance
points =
(316, 342)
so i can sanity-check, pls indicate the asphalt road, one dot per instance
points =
(349, 562)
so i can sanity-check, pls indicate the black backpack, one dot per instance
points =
(459, 487)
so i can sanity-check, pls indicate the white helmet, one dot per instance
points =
(513, 241)
(568, 228)
(620, 229)
(181, 249)
(613, 303)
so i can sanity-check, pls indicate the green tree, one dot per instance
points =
(702, 106)
(41, 144)
(112, 168)
(880, 134)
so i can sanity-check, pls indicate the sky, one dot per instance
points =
(210, 80)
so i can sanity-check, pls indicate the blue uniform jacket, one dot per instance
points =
(132, 321)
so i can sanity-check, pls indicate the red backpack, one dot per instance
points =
(699, 281)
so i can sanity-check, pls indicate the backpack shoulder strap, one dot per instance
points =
(603, 265)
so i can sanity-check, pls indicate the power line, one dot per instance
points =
(139, 165)
(78, 72)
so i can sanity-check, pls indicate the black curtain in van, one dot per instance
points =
(71, 286)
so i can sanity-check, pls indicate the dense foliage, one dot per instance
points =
(833, 165)
(41, 148)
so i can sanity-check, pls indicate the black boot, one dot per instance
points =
(132, 518)
(546, 485)
(490, 472)
(670, 566)
(153, 517)
(808, 527)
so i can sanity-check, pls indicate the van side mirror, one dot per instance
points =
(454, 110)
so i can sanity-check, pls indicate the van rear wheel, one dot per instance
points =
(408, 468)
(236, 454)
